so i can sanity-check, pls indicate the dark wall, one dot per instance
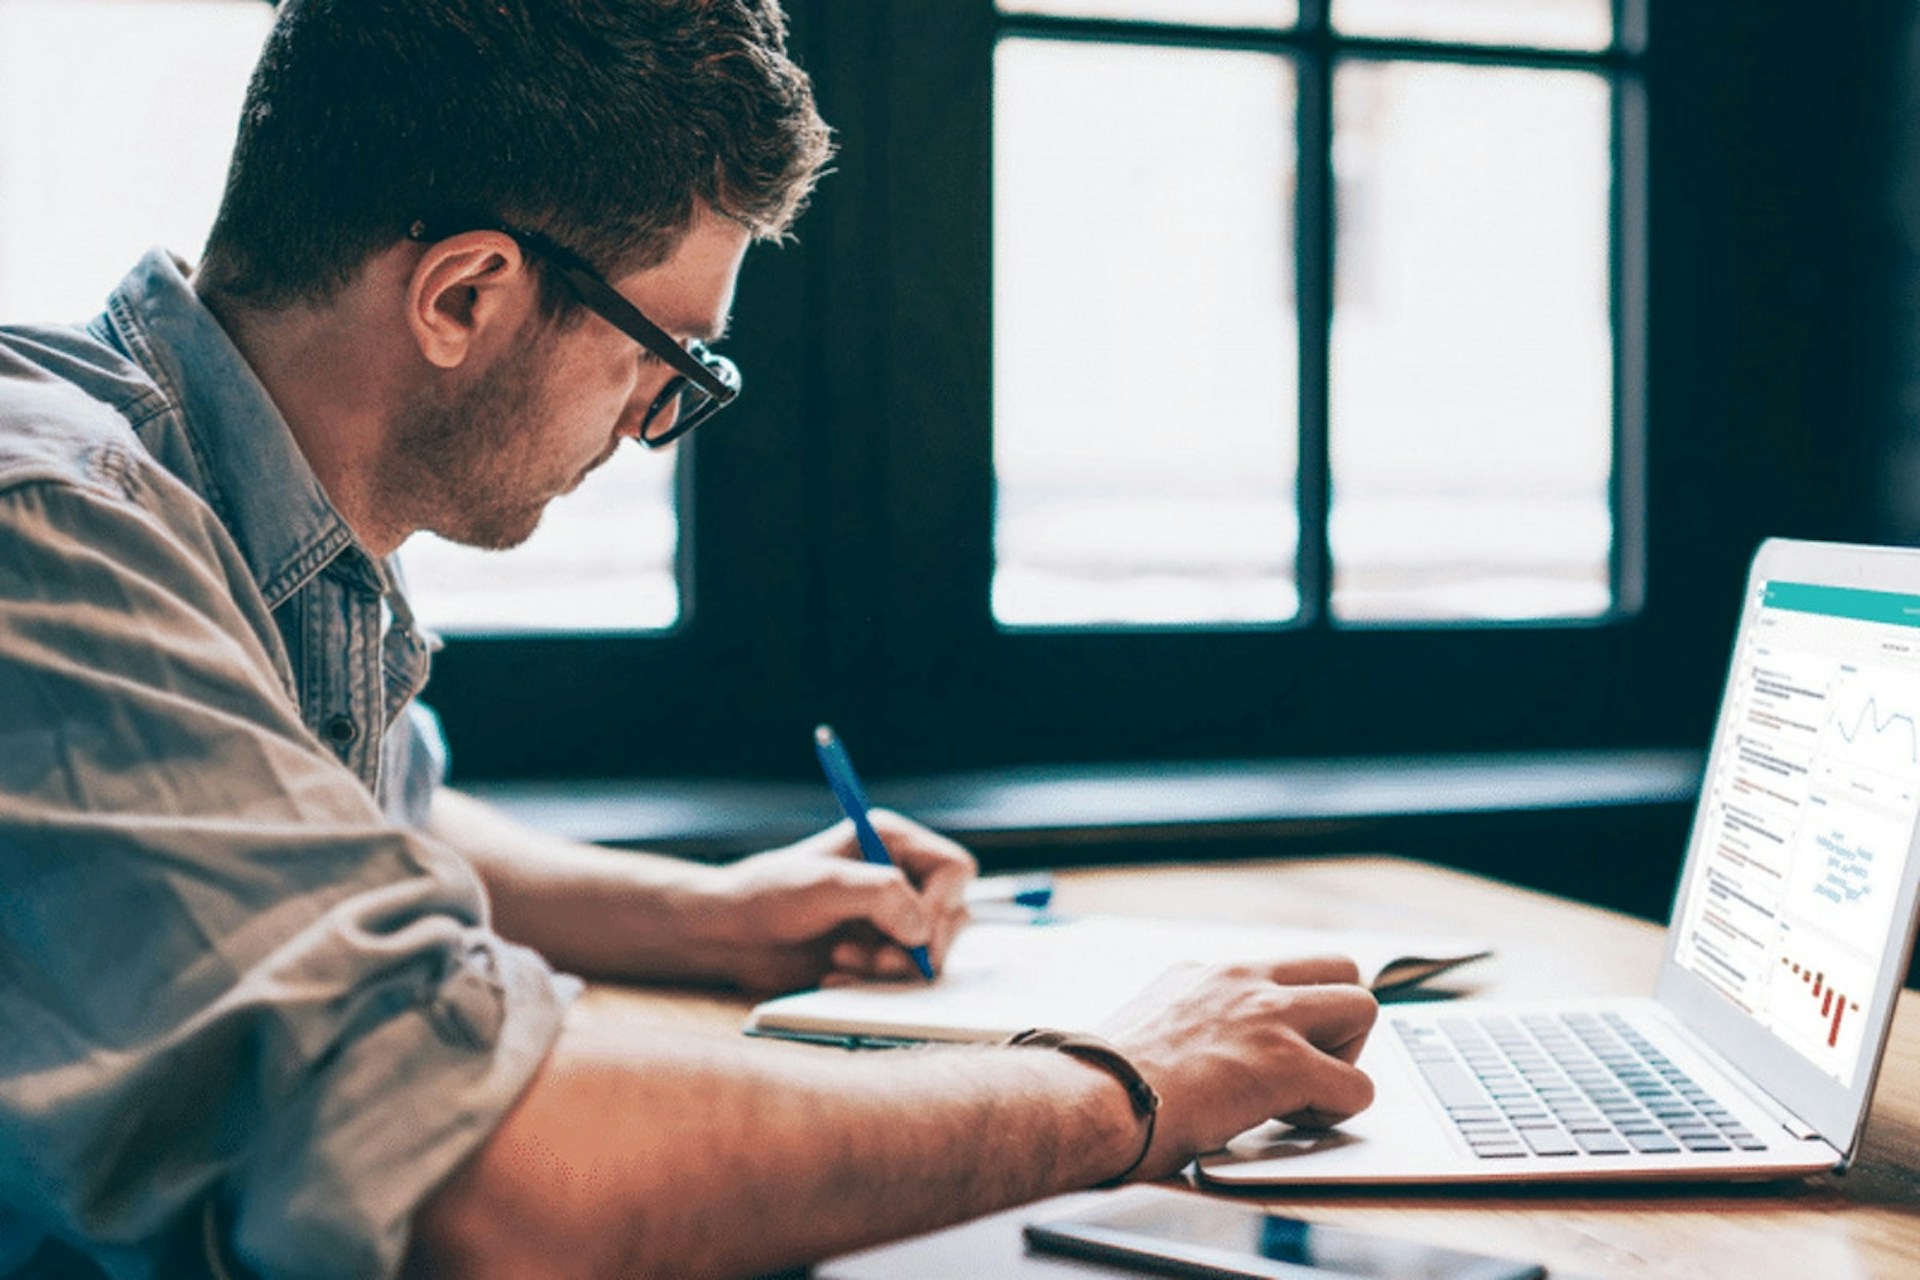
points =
(1776, 267)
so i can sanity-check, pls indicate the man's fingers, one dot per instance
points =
(1335, 1091)
(945, 900)
(1333, 1019)
(946, 927)
(1338, 1025)
(940, 867)
(881, 896)
(1313, 971)
(1322, 1086)
(921, 900)
(855, 960)
(923, 852)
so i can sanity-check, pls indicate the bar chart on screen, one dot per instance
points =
(1834, 1003)
(1815, 1002)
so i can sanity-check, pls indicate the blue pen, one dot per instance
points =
(853, 802)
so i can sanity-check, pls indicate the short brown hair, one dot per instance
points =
(598, 123)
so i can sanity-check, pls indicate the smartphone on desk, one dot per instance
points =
(1179, 1234)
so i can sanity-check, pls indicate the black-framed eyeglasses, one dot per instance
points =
(703, 381)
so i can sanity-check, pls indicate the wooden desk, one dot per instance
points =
(1865, 1224)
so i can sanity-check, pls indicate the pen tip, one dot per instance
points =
(823, 735)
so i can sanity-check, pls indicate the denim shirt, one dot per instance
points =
(349, 673)
(248, 1011)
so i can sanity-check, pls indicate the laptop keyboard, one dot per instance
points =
(1566, 1085)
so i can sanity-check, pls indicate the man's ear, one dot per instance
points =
(461, 288)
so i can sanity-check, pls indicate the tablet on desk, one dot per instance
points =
(1188, 1235)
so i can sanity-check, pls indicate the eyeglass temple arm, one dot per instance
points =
(629, 317)
(604, 299)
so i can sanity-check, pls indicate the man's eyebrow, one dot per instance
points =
(697, 330)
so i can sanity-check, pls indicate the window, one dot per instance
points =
(1471, 419)
(116, 121)
(1148, 406)
(604, 560)
(1145, 335)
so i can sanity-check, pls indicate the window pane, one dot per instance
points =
(1551, 24)
(602, 560)
(1471, 428)
(1225, 13)
(116, 121)
(1144, 335)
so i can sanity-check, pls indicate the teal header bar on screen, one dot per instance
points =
(1843, 602)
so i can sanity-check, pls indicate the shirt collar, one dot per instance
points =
(257, 480)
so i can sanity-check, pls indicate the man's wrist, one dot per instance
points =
(1142, 1098)
(706, 918)
(672, 915)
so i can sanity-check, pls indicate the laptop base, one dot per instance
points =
(1409, 1138)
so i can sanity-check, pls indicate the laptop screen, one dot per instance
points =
(1808, 816)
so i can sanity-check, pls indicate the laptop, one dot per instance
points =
(1756, 1055)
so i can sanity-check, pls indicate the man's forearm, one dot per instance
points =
(641, 1153)
(587, 910)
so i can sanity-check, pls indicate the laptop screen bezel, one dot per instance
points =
(1834, 1110)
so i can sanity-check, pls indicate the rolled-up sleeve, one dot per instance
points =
(226, 977)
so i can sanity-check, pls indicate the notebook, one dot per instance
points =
(1756, 1054)
(1073, 973)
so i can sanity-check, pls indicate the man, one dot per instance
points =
(261, 1015)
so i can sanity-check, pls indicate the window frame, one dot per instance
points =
(1314, 52)
(1002, 696)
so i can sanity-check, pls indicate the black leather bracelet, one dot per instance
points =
(1097, 1052)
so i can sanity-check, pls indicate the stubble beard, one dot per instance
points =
(461, 461)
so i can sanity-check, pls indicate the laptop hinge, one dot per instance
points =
(1795, 1127)
(1798, 1128)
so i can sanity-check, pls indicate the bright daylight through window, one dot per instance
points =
(1148, 396)
(83, 195)
(1472, 361)
(1144, 343)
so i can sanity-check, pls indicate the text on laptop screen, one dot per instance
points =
(1809, 814)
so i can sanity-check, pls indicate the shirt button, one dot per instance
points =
(341, 731)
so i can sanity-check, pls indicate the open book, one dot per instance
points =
(1074, 973)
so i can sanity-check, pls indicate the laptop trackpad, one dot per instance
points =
(1276, 1141)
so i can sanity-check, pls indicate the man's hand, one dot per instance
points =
(817, 912)
(1231, 1047)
